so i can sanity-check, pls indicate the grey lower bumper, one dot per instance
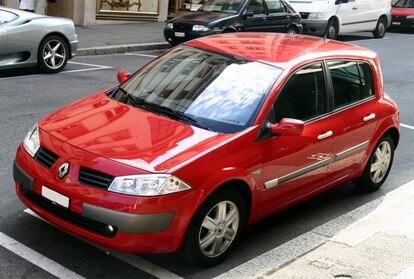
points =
(315, 27)
(127, 222)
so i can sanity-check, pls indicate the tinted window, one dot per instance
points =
(256, 6)
(7, 17)
(351, 82)
(220, 92)
(303, 97)
(275, 6)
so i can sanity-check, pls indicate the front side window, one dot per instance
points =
(223, 6)
(352, 82)
(218, 92)
(7, 17)
(275, 6)
(256, 7)
(304, 95)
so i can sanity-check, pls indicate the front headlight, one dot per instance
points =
(169, 26)
(148, 185)
(31, 142)
(200, 28)
(316, 16)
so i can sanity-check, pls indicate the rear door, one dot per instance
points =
(279, 17)
(353, 121)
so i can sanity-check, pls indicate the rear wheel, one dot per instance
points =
(381, 28)
(215, 228)
(379, 165)
(53, 54)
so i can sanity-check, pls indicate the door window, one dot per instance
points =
(352, 82)
(304, 95)
(275, 6)
(256, 7)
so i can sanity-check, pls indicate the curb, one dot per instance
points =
(101, 50)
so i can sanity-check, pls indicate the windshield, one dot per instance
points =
(403, 3)
(6, 17)
(223, 6)
(216, 92)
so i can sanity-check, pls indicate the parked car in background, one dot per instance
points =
(403, 12)
(331, 18)
(211, 136)
(29, 39)
(226, 16)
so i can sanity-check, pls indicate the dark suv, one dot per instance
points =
(224, 16)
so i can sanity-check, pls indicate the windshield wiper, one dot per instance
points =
(166, 111)
(130, 98)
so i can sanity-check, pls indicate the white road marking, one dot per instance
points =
(141, 54)
(130, 259)
(87, 64)
(407, 126)
(35, 258)
(406, 274)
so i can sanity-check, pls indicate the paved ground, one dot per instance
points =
(26, 95)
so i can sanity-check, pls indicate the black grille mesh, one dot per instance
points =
(46, 157)
(94, 178)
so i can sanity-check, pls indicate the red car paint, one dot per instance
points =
(402, 11)
(103, 134)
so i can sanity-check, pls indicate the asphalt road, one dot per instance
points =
(25, 96)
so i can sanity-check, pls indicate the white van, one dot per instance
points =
(335, 17)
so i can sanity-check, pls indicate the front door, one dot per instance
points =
(348, 13)
(255, 16)
(297, 165)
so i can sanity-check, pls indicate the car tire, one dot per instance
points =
(53, 54)
(382, 157)
(381, 28)
(292, 31)
(332, 29)
(210, 228)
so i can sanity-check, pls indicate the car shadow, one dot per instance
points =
(19, 72)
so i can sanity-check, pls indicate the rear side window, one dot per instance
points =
(7, 17)
(303, 97)
(352, 82)
(275, 6)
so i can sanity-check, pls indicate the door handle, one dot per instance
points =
(369, 117)
(355, 8)
(325, 135)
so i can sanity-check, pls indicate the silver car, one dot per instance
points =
(28, 39)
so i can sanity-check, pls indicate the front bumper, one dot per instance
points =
(170, 36)
(403, 20)
(314, 27)
(74, 43)
(139, 224)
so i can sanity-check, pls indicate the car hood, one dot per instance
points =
(202, 17)
(402, 11)
(128, 135)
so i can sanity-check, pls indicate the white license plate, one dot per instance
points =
(396, 23)
(179, 34)
(55, 197)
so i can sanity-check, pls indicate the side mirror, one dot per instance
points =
(248, 14)
(288, 127)
(341, 2)
(123, 76)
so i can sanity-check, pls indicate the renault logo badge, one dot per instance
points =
(63, 170)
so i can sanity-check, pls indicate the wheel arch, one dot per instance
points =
(395, 135)
(60, 35)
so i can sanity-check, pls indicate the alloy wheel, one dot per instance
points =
(219, 229)
(380, 162)
(54, 54)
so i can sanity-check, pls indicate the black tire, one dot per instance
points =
(367, 182)
(381, 28)
(47, 47)
(332, 29)
(292, 30)
(191, 249)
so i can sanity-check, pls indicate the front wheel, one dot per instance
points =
(215, 228)
(380, 30)
(53, 54)
(292, 30)
(378, 166)
(331, 30)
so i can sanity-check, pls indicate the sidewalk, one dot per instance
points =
(380, 245)
(118, 38)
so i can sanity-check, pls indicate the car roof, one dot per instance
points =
(281, 50)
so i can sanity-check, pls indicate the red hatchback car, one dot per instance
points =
(211, 136)
(403, 12)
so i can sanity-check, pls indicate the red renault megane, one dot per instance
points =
(208, 138)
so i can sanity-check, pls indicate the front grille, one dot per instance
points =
(69, 215)
(45, 157)
(183, 27)
(94, 178)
